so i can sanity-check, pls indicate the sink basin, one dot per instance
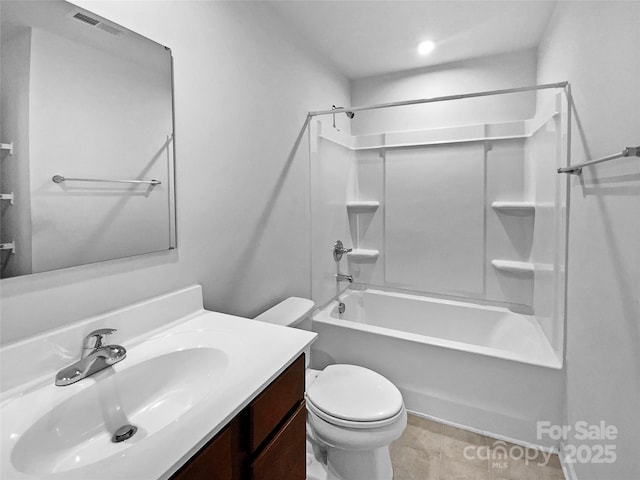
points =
(149, 394)
(180, 384)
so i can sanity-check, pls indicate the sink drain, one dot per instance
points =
(124, 433)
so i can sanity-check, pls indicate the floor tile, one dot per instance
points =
(514, 469)
(428, 450)
(530, 456)
(514, 461)
(411, 464)
(464, 435)
(421, 439)
(466, 447)
(552, 471)
(425, 423)
(554, 462)
(453, 470)
(469, 453)
(549, 464)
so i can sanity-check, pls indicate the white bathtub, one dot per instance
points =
(481, 367)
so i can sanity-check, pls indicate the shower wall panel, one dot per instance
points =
(385, 175)
(545, 154)
(434, 223)
(333, 172)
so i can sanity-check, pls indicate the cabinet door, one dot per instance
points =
(284, 457)
(275, 403)
(213, 462)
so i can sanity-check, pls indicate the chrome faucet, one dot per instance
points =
(95, 357)
(340, 277)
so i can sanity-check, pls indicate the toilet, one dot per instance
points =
(353, 413)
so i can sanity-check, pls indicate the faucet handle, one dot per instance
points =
(339, 250)
(100, 336)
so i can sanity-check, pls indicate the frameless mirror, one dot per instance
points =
(87, 157)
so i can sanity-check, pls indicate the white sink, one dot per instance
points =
(148, 395)
(179, 385)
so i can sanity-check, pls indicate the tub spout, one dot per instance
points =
(344, 278)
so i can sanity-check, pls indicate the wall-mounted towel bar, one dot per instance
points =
(60, 179)
(577, 169)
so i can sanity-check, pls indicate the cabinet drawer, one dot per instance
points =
(284, 457)
(273, 405)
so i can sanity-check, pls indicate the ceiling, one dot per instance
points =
(58, 18)
(365, 38)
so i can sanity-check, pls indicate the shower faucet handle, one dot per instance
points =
(339, 250)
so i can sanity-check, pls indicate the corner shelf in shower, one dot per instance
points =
(10, 247)
(514, 208)
(362, 206)
(7, 146)
(10, 197)
(363, 255)
(513, 266)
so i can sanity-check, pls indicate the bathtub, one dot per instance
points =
(483, 368)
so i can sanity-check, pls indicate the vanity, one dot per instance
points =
(211, 396)
(266, 440)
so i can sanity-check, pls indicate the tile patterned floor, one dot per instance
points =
(431, 451)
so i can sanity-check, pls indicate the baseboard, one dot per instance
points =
(486, 433)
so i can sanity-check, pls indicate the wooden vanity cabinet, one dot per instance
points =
(284, 457)
(220, 459)
(266, 441)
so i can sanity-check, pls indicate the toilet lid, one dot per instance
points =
(354, 393)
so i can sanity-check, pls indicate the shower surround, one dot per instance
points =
(459, 237)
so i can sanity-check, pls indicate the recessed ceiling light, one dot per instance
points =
(426, 47)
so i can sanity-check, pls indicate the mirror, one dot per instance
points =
(86, 127)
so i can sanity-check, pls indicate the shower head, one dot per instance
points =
(348, 114)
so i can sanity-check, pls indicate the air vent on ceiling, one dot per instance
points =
(94, 22)
(86, 19)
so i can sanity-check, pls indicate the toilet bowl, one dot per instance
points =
(353, 413)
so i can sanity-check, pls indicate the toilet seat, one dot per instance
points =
(340, 422)
(354, 397)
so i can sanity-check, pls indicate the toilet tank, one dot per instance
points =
(293, 312)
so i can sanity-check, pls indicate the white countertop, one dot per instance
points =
(256, 353)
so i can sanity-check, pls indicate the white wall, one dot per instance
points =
(243, 87)
(109, 117)
(508, 70)
(596, 46)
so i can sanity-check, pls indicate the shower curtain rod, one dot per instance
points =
(437, 99)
